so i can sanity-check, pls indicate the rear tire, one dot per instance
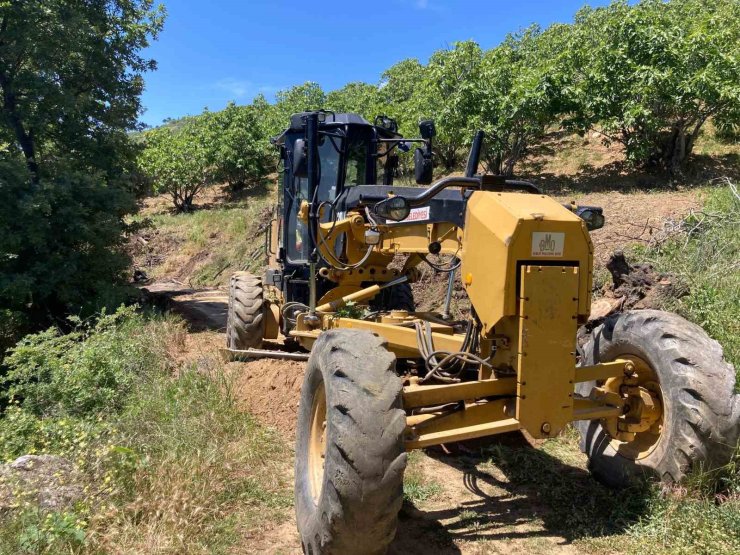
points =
(350, 456)
(245, 324)
(700, 410)
(398, 297)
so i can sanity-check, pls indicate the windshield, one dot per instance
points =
(356, 160)
(329, 148)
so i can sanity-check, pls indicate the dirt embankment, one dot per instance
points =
(270, 389)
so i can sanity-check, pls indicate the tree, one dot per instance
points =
(239, 145)
(229, 146)
(300, 98)
(649, 75)
(449, 94)
(399, 95)
(70, 80)
(357, 97)
(61, 243)
(180, 163)
(516, 99)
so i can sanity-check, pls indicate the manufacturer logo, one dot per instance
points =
(547, 244)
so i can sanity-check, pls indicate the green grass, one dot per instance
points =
(417, 487)
(169, 462)
(706, 257)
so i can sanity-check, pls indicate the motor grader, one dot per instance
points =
(649, 392)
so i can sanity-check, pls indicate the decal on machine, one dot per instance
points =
(547, 243)
(418, 214)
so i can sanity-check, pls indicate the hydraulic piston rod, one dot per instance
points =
(361, 295)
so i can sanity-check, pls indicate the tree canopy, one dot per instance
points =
(646, 75)
(71, 75)
(71, 78)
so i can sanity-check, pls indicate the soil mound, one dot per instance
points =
(635, 287)
(270, 389)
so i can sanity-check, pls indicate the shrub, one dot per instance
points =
(61, 244)
(85, 373)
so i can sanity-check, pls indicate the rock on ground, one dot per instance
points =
(48, 481)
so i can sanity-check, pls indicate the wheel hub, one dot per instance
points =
(636, 432)
(317, 443)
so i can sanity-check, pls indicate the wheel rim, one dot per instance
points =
(636, 434)
(317, 443)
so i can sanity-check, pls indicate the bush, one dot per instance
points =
(60, 384)
(61, 245)
(85, 373)
(167, 460)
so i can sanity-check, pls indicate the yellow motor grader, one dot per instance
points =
(649, 391)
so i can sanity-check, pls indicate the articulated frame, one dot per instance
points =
(526, 267)
(444, 413)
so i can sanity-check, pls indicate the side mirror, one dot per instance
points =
(393, 208)
(427, 129)
(422, 167)
(592, 215)
(300, 163)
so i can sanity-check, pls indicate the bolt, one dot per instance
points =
(546, 428)
(629, 367)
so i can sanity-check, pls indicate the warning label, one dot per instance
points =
(418, 214)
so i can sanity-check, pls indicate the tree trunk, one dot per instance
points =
(24, 138)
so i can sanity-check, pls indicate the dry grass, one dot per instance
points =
(205, 247)
(211, 473)
(178, 469)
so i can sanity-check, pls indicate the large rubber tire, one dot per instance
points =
(700, 410)
(353, 508)
(398, 297)
(245, 324)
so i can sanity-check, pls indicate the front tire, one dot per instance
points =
(699, 422)
(350, 456)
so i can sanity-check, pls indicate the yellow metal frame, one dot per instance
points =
(529, 301)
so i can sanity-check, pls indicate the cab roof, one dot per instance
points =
(332, 119)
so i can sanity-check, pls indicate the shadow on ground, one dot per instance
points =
(536, 496)
(618, 176)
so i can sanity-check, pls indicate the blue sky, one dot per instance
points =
(221, 50)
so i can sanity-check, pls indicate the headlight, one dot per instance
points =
(592, 215)
(394, 208)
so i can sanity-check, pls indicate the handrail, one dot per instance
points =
(441, 185)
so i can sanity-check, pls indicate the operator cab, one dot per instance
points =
(355, 160)
(348, 155)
